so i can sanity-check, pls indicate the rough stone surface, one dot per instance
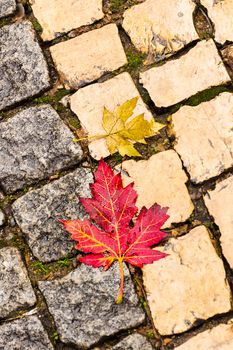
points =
(98, 51)
(27, 333)
(88, 103)
(34, 143)
(219, 203)
(217, 338)
(15, 288)
(221, 13)
(2, 217)
(38, 211)
(133, 342)
(160, 28)
(204, 137)
(84, 308)
(188, 285)
(55, 18)
(23, 69)
(164, 183)
(7, 7)
(170, 83)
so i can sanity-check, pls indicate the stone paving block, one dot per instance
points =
(27, 333)
(23, 69)
(88, 56)
(199, 69)
(56, 19)
(84, 308)
(133, 342)
(217, 338)
(160, 179)
(204, 137)
(187, 286)
(7, 7)
(160, 28)
(220, 205)
(34, 143)
(221, 12)
(88, 104)
(37, 214)
(15, 288)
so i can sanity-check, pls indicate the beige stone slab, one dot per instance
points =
(176, 80)
(217, 338)
(160, 27)
(188, 285)
(221, 14)
(160, 179)
(220, 205)
(88, 56)
(88, 103)
(204, 137)
(59, 16)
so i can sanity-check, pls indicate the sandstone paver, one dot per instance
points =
(88, 104)
(23, 69)
(160, 179)
(179, 79)
(84, 308)
(133, 342)
(220, 205)
(37, 213)
(7, 7)
(188, 285)
(88, 56)
(56, 19)
(27, 333)
(217, 338)
(204, 137)
(35, 143)
(160, 28)
(15, 288)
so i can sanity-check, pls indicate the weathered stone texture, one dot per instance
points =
(34, 143)
(88, 56)
(15, 288)
(133, 342)
(23, 69)
(55, 18)
(220, 205)
(160, 28)
(160, 179)
(176, 80)
(84, 308)
(2, 217)
(7, 7)
(188, 285)
(204, 137)
(37, 213)
(88, 103)
(27, 333)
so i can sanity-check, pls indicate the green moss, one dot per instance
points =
(36, 26)
(40, 266)
(150, 334)
(3, 22)
(55, 337)
(63, 262)
(116, 5)
(135, 60)
(206, 95)
(59, 94)
(74, 122)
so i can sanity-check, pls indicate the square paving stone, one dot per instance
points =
(160, 179)
(37, 214)
(56, 19)
(187, 286)
(160, 27)
(199, 69)
(27, 333)
(84, 308)
(204, 137)
(35, 143)
(88, 56)
(23, 69)
(133, 342)
(216, 338)
(7, 7)
(221, 13)
(88, 104)
(220, 205)
(15, 288)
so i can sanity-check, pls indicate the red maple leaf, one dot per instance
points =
(112, 207)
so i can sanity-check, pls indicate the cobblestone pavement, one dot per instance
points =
(61, 62)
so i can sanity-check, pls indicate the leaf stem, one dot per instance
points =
(119, 298)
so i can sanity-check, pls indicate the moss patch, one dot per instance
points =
(116, 5)
(135, 59)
